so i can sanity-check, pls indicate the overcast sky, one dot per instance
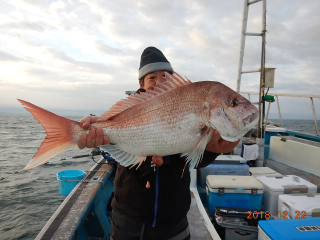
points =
(79, 57)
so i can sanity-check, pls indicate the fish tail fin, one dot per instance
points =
(60, 134)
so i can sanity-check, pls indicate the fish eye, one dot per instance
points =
(234, 103)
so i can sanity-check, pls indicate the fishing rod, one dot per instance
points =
(93, 153)
(67, 158)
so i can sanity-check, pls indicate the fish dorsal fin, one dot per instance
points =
(172, 82)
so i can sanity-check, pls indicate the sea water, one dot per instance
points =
(29, 198)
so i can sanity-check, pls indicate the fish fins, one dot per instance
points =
(171, 82)
(124, 158)
(195, 156)
(59, 134)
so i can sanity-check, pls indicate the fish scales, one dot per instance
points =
(176, 117)
(164, 125)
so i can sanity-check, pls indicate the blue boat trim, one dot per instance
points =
(303, 136)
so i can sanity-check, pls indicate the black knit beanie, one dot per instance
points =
(152, 59)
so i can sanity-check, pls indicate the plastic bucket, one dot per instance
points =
(68, 179)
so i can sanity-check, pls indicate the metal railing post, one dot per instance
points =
(311, 96)
(279, 111)
(268, 112)
(242, 41)
(314, 116)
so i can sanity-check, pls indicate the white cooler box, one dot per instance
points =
(263, 171)
(304, 205)
(275, 186)
(233, 191)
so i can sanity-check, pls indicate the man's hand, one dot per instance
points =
(95, 137)
(218, 145)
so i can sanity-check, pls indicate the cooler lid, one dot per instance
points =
(287, 184)
(239, 212)
(232, 182)
(229, 159)
(259, 170)
(308, 228)
(263, 171)
(308, 202)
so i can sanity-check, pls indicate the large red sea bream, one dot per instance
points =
(176, 117)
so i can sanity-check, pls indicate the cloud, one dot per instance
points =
(6, 57)
(22, 26)
(105, 49)
(70, 53)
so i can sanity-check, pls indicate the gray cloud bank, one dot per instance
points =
(83, 55)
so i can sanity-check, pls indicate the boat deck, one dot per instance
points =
(82, 209)
(197, 223)
(287, 170)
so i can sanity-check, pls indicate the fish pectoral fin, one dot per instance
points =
(124, 158)
(195, 156)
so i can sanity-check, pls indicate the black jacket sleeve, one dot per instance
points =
(208, 158)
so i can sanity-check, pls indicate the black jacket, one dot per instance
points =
(132, 198)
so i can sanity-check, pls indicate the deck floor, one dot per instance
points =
(287, 170)
(198, 230)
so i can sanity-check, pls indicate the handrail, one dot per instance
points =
(311, 96)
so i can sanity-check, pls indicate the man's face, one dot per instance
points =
(151, 79)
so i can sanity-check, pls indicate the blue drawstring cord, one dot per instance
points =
(156, 197)
(166, 160)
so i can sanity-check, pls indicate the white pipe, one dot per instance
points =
(268, 112)
(254, 1)
(253, 34)
(279, 111)
(242, 41)
(314, 117)
(285, 94)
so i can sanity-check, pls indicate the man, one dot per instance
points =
(152, 202)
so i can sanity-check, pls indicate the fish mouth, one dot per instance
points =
(229, 139)
(251, 118)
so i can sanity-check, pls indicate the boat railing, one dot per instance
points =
(276, 95)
